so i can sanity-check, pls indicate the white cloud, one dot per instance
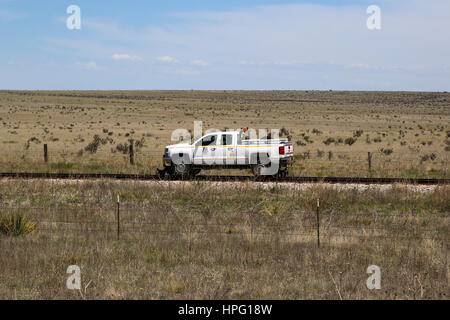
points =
(124, 56)
(167, 59)
(251, 63)
(200, 62)
(91, 65)
(360, 66)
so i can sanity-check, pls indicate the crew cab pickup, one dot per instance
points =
(229, 150)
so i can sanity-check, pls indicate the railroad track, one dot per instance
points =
(143, 177)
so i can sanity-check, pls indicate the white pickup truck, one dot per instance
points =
(229, 150)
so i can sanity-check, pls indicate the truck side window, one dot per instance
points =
(227, 139)
(209, 140)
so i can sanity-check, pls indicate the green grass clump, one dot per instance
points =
(62, 165)
(16, 224)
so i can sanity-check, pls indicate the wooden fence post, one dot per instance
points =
(318, 224)
(369, 159)
(132, 152)
(45, 153)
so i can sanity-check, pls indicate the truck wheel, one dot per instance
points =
(281, 174)
(262, 161)
(182, 170)
(257, 169)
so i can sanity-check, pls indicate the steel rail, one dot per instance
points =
(147, 177)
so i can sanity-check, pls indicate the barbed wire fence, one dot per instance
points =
(123, 220)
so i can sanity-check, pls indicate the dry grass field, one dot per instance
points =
(194, 241)
(88, 131)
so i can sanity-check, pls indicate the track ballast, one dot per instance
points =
(143, 177)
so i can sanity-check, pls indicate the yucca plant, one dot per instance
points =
(16, 224)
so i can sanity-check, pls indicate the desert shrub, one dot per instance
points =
(93, 146)
(320, 153)
(32, 139)
(123, 148)
(328, 141)
(358, 133)
(350, 141)
(307, 139)
(377, 139)
(305, 155)
(427, 157)
(386, 152)
(284, 132)
(139, 143)
(16, 224)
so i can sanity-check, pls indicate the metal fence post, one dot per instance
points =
(318, 223)
(118, 217)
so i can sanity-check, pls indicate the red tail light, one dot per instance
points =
(282, 150)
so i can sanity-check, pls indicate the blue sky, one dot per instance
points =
(245, 44)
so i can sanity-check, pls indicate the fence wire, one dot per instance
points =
(130, 225)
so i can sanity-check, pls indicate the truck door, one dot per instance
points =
(241, 149)
(205, 149)
(227, 152)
